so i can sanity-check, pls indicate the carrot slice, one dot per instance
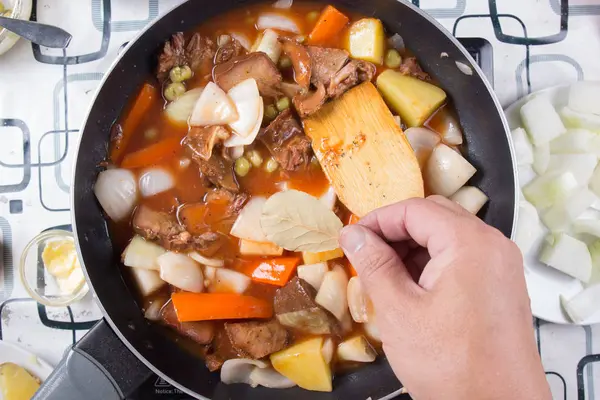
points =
(140, 107)
(353, 219)
(274, 271)
(330, 23)
(152, 154)
(213, 306)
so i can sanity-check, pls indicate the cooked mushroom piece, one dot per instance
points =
(300, 60)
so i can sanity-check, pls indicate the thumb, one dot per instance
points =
(379, 267)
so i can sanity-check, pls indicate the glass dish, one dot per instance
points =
(21, 9)
(37, 281)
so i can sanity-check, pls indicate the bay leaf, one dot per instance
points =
(298, 221)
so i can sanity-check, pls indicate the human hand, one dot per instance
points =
(450, 301)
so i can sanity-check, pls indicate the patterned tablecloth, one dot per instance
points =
(44, 95)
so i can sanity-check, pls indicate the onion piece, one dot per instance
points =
(580, 165)
(270, 378)
(528, 226)
(247, 225)
(242, 39)
(470, 198)
(179, 110)
(595, 181)
(213, 107)
(152, 313)
(332, 294)
(329, 198)
(422, 141)
(284, 4)
(541, 121)
(464, 68)
(276, 21)
(236, 141)
(181, 271)
(268, 43)
(239, 370)
(140, 253)
(523, 148)
(574, 119)
(357, 349)
(147, 281)
(583, 305)
(210, 273)
(567, 255)
(116, 191)
(397, 42)
(560, 215)
(247, 101)
(447, 171)
(584, 97)
(449, 128)
(587, 226)
(371, 329)
(313, 273)
(541, 158)
(359, 303)
(237, 152)
(209, 262)
(154, 181)
(229, 281)
(327, 350)
(547, 190)
(576, 141)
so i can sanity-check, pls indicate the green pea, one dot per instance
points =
(174, 90)
(313, 16)
(255, 158)
(283, 104)
(271, 165)
(271, 112)
(285, 62)
(242, 166)
(180, 74)
(393, 59)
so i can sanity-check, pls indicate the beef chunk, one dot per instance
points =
(235, 201)
(202, 140)
(201, 332)
(232, 48)
(411, 67)
(218, 170)
(257, 339)
(221, 350)
(307, 104)
(254, 65)
(286, 141)
(296, 308)
(199, 51)
(350, 75)
(326, 62)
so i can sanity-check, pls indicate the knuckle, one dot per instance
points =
(377, 262)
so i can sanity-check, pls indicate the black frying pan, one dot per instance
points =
(106, 363)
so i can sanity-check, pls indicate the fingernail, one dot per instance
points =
(352, 239)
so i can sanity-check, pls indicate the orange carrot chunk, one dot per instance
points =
(214, 306)
(353, 219)
(152, 154)
(140, 107)
(330, 23)
(274, 271)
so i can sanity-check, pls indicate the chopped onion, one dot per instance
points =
(447, 171)
(327, 350)
(584, 97)
(587, 226)
(577, 120)
(541, 158)
(239, 370)
(329, 198)
(152, 313)
(210, 273)
(276, 21)
(140, 253)
(332, 294)
(180, 109)
(269, 378)
(313, 273)
(283, 3)
(397, 42)
(242, 39)
(181, 271)
(561, 214)
(154, 181)
(247, 225)
(595, 181)
(464, 68)
(583, 305)
(184, 162)
(567, 255)
(209, 262)
(237, 152)
(547, 190)
(541, 120)
(576, 141)
(236, 141)
(528, 226)
(371, 329)
(523, 148)
(422, 141)
(359, 303)
(247, 101)
(449, 128)
(147, 281)
(470, 198)
(268, 43)
(443, 54)
(213, 107)
(116, 191)
(229, 281)
(356, 349)
(580, 165)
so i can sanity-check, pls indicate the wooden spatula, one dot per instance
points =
(363, 151)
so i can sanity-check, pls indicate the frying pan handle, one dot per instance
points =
(98, 367)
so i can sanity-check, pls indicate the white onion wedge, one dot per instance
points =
(576, 141)
(357, 349)
(154, 181)
(210, 273)
(247, 101)
(283, 4)
(147, 281)
(546, 190)
(242, 39)
(587, 226)
(583, 305)
(269, 378)
(237, 141)
(332, 294)
(584, 97)
(561, 215)
(577, 120)
(209, 262)
(214, 107)
(449, 129)
(140, 253)
(470, 198)
(541, 121)
(371, 329)
(313, 273)
(422, 141)
(181, 271)
(329, 198)
(116, 191)
(523, 148)
(595, 181)
(328, 349)
(180, 110)
(568, 255)
(580, 165)
(276, 21)
(152, 313)
(528, 226)
(268, 43)
(239, 370)
(447, 171)
(541, 158)
(359, 303)
(229, 281)
(247, 224)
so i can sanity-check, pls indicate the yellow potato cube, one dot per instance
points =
(16, 383)
(366, 40)
(252, 248)
(315, 258)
